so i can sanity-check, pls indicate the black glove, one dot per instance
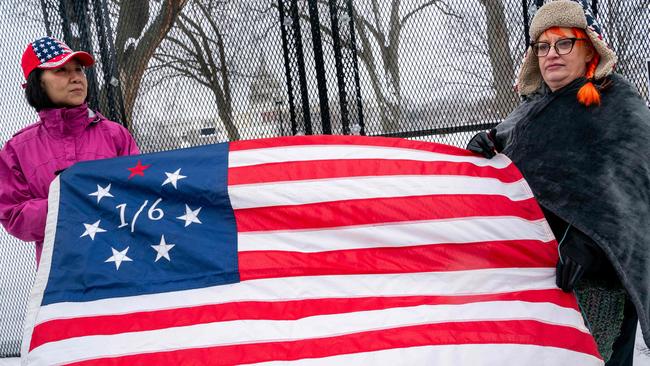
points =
(482, 143)
(578, 255)
(567, 274)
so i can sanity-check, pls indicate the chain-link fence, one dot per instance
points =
(180, 73)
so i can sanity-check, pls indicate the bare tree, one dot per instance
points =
(197, 51)
(498, 48)
(140, 29)
(380, 33)
(138, 34)
(490, 47)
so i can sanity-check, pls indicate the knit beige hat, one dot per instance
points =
(568, 14)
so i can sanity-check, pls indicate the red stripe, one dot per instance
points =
(382, 210)
(57, 330)
(528, 332)
(321, 169)
(423, 258)
(348, 140)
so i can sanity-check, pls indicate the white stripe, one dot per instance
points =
(317, 287)
(36, 296)
(448, 231)
(456, 355)
(339, 189)
(348, 152)
(253, 331)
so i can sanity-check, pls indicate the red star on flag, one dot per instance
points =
(138, 169)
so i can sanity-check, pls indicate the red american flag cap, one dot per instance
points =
(50, 53)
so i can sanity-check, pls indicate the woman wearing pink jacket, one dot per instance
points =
(67, 132)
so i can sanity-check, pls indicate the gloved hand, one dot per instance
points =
(578, 255)
(567, 273)
(483, 143)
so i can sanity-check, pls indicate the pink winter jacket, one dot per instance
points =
(30, 159)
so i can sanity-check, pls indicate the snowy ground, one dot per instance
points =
(640, 359)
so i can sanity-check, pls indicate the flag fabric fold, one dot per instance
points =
(310, 250)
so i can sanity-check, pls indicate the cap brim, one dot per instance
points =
(83, 57)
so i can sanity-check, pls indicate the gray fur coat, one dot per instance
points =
(591, 167)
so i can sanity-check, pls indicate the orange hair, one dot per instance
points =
(588, 94)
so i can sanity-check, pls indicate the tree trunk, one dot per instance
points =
(503, 70)
(387, 109)
(224, 109)
(133, 59)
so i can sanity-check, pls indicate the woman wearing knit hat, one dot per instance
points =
(581, 138)
(66, 133)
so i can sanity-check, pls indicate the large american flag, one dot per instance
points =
(312, 250)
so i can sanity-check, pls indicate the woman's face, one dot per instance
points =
(67, 85)
(560, 70)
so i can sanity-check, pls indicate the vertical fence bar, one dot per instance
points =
(355, 60)
(594, 8)
(65, 23)
(86, 44)
(319, 64)
(106, 61)
(287, 68)
(302, 76)
(338, 63)
(524, 6)
(46, 18)
(114, 82)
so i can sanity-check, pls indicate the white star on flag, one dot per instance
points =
(163, 249)
(119, 257)
(102, 192)
(191, 216)
(93, 229)
(173, 177)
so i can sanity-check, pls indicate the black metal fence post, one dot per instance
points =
(338, 64)
(287, 68)
(302, 76)
(86, 44)
(114, 66)
(110, 90)
(319, 65)
(65, 23)
(46, 18)
(357, 84)
(524, 6)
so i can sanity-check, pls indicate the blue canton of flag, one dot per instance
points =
(47, 48)
(154, 226)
